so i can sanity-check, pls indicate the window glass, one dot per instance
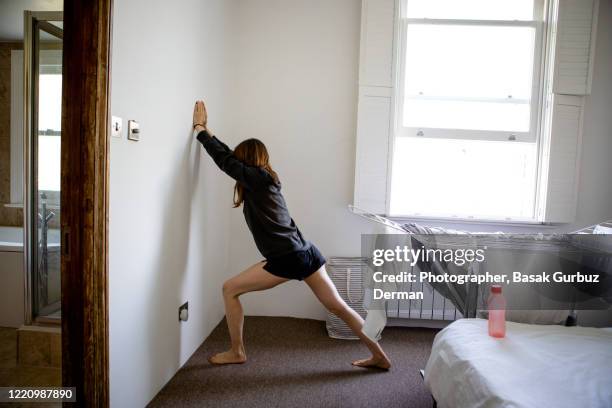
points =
(466, 115)
(468, 77)
(49, 128)
(471, 9)
(49, 148)
(463, 178)
(50, 102)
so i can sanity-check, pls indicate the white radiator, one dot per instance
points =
(434, 306)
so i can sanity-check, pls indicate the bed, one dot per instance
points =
(533, 366)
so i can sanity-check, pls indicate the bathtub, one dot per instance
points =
(12, 283)
(12, 274)
(11, 239)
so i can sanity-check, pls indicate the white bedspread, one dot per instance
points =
(534, 366)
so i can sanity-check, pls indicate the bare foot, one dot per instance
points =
(228, 357)
(382, 362)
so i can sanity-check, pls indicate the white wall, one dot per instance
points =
(168, 207)
(595, 188)
(296, 90)
(284, 71)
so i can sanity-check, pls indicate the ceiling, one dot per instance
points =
(11, 15)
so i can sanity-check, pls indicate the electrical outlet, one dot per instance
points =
(133, 130)
(184, 312)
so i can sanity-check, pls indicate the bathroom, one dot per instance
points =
(30, 132)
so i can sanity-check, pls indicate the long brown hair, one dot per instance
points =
(252, 152)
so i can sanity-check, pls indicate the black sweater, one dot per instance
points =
(264, 207)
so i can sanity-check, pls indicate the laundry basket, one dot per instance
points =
(346, 273)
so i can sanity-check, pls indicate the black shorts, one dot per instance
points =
(296, 265)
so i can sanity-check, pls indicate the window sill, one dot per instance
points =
(442, 221)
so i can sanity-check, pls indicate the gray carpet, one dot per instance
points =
(293, 363)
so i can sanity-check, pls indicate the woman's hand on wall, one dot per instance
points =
(200, 116)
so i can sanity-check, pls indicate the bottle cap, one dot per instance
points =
(496, 289)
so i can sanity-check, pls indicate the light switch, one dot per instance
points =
(133, 130)
(116, 126)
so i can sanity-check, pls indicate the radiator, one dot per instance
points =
(434, 306)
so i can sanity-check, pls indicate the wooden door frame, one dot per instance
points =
(84, 199)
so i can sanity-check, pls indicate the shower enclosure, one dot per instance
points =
(43, 34)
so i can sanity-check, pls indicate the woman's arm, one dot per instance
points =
(200, 120)
(250, 177)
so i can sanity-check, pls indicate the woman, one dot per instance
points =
(287, 254)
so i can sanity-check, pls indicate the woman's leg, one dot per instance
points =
(253, 279)
(327, 294)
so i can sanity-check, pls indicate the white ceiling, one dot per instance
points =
(11, 15)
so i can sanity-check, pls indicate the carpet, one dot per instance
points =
(293, 363)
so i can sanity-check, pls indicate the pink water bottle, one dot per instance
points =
(497, 312)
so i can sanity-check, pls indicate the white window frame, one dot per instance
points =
(536, 88)
(538, 102)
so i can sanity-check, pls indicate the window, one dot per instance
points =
(467, 109)
(49, 129)
(49, 125)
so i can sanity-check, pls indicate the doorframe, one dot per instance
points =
(84, 199)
